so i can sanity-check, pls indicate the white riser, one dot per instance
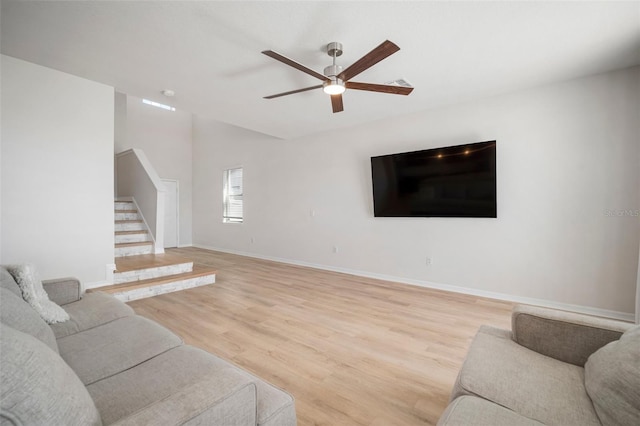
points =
(144, 274)
(132, 238)
(141, 293)
(127, 216)
(133, 250)
(123, 205)
(130, 226)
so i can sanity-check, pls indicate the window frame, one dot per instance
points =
(228, 198)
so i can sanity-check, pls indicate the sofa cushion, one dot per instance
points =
(103, 351)
(524, 381)
(470, 410)
(17, 313)
(33, 293)
(612, 378)
(119, 396)
(92, 310)
(38, 388)
(7, 281)
(226, 398)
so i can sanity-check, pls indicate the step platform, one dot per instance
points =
(147, 275)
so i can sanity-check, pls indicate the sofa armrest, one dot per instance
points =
(63, 290)
(565, 336)
(226, 397)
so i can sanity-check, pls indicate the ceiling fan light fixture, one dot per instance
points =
(335, 81)
(334, 87)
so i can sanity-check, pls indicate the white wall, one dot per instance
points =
(166, 139)
(567, 154)
(57, 172)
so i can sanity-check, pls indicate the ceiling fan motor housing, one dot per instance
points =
(334, 49)
(332, 70)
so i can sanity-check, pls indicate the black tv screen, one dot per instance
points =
(455, 181)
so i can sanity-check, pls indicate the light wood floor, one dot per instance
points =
(351, 350)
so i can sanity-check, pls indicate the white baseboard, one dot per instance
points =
(95, 284)
(623, 316)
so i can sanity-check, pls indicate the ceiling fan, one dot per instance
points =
(335, 80)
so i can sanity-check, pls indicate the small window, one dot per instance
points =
(232, 195)
(158, 105)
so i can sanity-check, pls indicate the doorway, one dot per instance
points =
(171, 197)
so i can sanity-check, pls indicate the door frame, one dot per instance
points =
(177, 182)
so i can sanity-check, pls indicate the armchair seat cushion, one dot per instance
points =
(470, 410)
(92, 310)
(533, 385)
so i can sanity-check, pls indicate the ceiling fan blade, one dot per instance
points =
(294, 64)
(383, 88)
(387, 48)
(336, 103)
(293, 91)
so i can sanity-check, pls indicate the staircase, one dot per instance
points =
(139, 272)
(132, 236)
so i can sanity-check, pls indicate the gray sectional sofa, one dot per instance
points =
(552, 368)
(106, 365)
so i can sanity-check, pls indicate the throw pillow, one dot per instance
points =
(612, 379)
(33, 293)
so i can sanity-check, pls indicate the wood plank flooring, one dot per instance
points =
(351, 350)
(143, 261)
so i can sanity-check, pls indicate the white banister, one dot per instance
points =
(136, 178)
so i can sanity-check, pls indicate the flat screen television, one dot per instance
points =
(454, 181)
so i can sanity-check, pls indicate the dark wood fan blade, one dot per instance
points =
(294, 64)
(293, 91)
(383, 88)
(387, 48)
(336, 103)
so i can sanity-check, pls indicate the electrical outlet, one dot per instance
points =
(335, 249)
(428, 261)
(253, 240)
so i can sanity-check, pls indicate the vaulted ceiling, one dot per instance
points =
(209, 52)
